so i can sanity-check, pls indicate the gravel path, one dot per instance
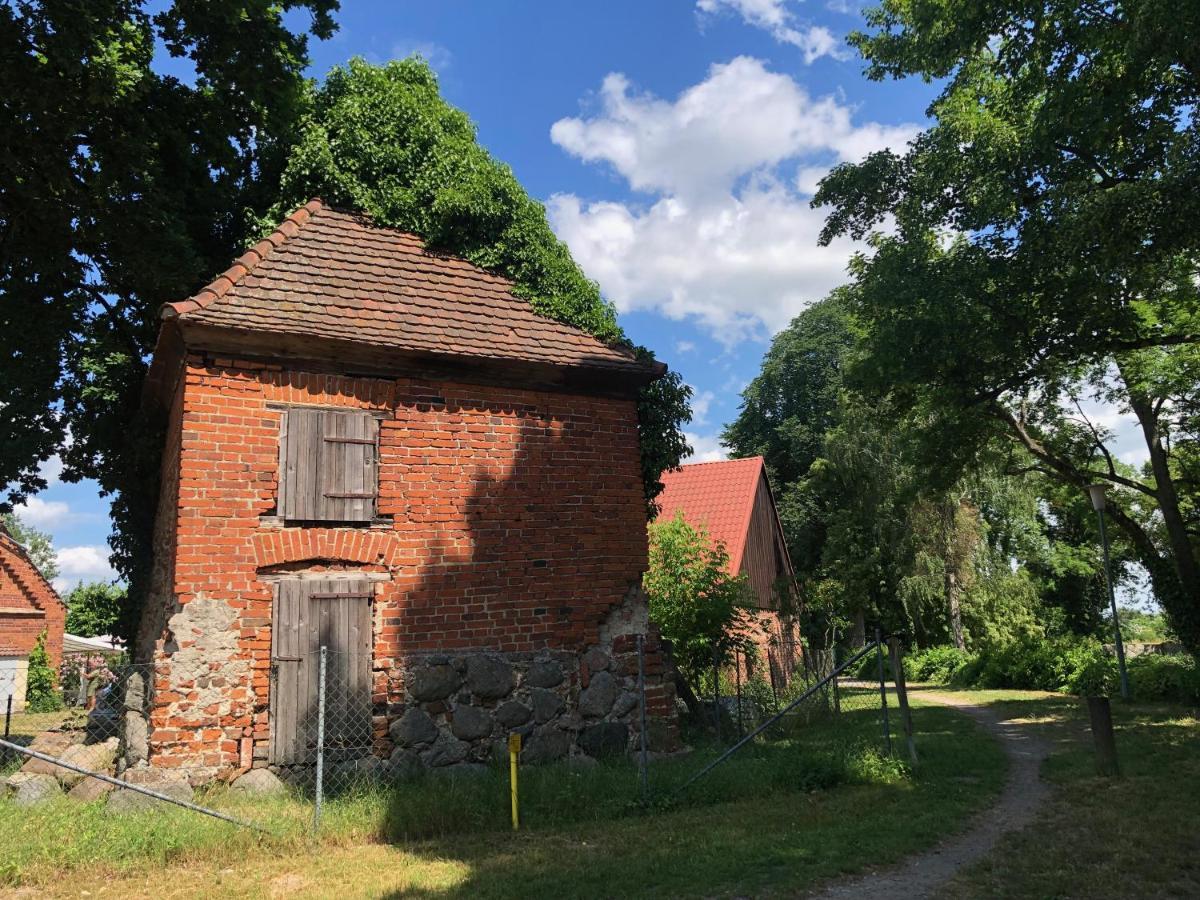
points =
(919, 875)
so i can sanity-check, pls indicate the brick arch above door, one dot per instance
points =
(349, 545)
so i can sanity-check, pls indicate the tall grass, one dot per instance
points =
(49, 839)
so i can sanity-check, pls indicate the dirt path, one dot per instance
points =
(920, 875)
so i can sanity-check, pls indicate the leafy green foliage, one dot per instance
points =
(41, 686)
(1156, 677)
(939, 665)
(36, 543)
(697, 605)
(94, 608)
(382, 140)
(1143, 626)
(1062, 164)
(125, 188)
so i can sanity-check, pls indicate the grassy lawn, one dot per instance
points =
(781, 818)
(1133, 836)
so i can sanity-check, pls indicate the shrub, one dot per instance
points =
(41, 691)
(1174, 678)
(1090, 671)
(939, 665)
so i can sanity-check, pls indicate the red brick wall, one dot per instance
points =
(27, 606)
(518, 524)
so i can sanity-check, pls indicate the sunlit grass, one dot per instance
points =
(789, 811)
(1132, 836)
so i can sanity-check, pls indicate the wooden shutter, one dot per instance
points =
(310, 614)
(328, 465)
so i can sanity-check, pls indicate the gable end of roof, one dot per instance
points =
(244, 264)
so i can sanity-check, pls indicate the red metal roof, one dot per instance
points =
(718, 496)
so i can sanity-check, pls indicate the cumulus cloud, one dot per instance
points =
(727, 236)
(88, 562)
(774, 17)
(701, 403)
(40, 513)
(705, 448)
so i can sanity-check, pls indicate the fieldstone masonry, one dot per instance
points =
(506, 561)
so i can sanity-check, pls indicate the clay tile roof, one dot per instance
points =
(333, 274)
(20, 568)
(716, 495)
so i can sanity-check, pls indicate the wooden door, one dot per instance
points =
(310, 614)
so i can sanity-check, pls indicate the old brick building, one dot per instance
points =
(733, 502)
(384, 451)
(29, 605)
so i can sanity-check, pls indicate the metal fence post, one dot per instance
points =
(320, 789)
(887, 731)
(717, 689)
(737, 674)
(643, 773)
(837, 691)
(7, 720)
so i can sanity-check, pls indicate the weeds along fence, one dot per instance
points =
(331, 742)
(827, 712)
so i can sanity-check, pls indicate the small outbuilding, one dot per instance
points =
(385, 452)
(29, 605)
(732, 501)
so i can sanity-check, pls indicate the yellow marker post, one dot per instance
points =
(514, 750)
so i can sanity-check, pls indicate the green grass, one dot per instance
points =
(1133, 836)
(782, 816)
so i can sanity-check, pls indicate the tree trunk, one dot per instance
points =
(1183, 609)
(858, 631)
(956, 626)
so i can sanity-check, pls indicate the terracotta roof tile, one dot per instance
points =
(15, 560)
(716, 495)
(328, 273)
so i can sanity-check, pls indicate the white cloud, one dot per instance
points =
(775, 17)
(705, 448)
(40, 513)
(684, 346)
(845, 7)
(701, 402)
(438, 57)
(82, 563)
(728, 237)
(51, 470)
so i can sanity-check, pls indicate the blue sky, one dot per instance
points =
(675, 144)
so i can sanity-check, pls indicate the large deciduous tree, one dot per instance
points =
(1042, 249)
(123, 186)
(381, 139)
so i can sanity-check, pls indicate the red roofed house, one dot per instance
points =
(28, 606)
(384, 451)
(732, 501)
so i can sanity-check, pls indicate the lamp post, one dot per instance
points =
(1096, 493)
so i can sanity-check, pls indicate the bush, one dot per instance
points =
(41, 691)
(940, 665)
(1174, 678)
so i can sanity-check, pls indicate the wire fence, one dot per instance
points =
(333, 733)
(86, 736)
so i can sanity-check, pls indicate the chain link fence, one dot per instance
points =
(87, 739)
(826, 707)
(332, 736)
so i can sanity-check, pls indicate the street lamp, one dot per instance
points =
(1096, 493)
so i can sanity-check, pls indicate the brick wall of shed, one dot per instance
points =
(27, 607)
(517, 528)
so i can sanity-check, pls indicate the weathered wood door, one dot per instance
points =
(310, 614)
